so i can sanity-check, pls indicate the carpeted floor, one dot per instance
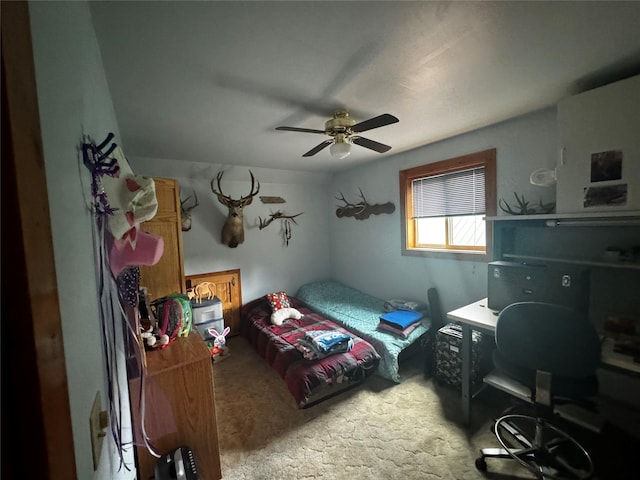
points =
(376, 431)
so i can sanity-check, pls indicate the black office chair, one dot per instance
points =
(554, 351)
(429, 340)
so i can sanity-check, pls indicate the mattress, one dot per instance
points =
(360, 313)
(308, 381)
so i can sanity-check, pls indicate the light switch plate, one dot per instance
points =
(98, 421)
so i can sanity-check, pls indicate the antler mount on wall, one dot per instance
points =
(185, 211)
(286, 221)
(362, 210)
(233, 228)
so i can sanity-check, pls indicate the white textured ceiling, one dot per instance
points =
(209, 81)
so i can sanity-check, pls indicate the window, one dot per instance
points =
(444, 205)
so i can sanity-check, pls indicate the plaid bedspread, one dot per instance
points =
(276, 344)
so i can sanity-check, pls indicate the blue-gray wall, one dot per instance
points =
(367, 253)
(362, 253)
(74, 100)
(266, 264)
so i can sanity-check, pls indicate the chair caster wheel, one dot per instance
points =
(481, 464)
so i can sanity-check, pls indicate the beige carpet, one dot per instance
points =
(375, 431)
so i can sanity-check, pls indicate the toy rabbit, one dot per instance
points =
(219, 350)
(219, 339)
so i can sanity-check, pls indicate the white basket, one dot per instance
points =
(207, 310)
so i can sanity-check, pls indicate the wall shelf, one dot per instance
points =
(572, 261)
(613, 216)
(613, 282)
(579, 239)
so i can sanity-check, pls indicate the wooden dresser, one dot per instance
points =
(180, 407)
(179, 391)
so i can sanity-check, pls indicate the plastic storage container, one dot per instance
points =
(207, 314)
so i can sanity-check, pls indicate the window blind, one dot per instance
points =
(449, 194)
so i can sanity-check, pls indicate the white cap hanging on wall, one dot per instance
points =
(543, 177)
(132, 196)
(546, 177)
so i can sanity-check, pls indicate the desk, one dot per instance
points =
(477, 316)
(616, 360)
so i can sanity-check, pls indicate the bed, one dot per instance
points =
(308, 381)
(360, 313)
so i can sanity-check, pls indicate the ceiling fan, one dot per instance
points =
(344, 131)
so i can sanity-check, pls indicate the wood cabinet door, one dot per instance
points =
(167, 276)
(228, 290)
(180, 407)
(600, 145)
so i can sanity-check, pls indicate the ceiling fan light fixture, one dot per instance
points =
(345, 131)
(340, 149)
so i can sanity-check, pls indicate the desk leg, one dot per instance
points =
(466, 373)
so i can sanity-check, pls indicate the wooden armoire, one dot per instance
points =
(178, 386)
(166, 276)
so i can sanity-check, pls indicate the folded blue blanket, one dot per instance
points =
(325, 340)
(322, 343)
(401, 318)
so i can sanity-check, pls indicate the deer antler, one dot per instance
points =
(363, 209)
(286, 223)
(224, 199)
(523, 207)
(277, 216)
(358, 207)
(249, 198)
(227, 200)
(342, 199)
(183, 202)
(364, 200)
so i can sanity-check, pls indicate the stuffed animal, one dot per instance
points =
(279, 316)
(219, 339)
(149, 331)
(153, 338)
(219, 350)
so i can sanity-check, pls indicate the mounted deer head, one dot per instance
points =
(233, 228)
(185, 212)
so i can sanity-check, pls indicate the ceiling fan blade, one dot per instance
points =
(365, 142)
(375, 122)
(295, 129)
(317, 148)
